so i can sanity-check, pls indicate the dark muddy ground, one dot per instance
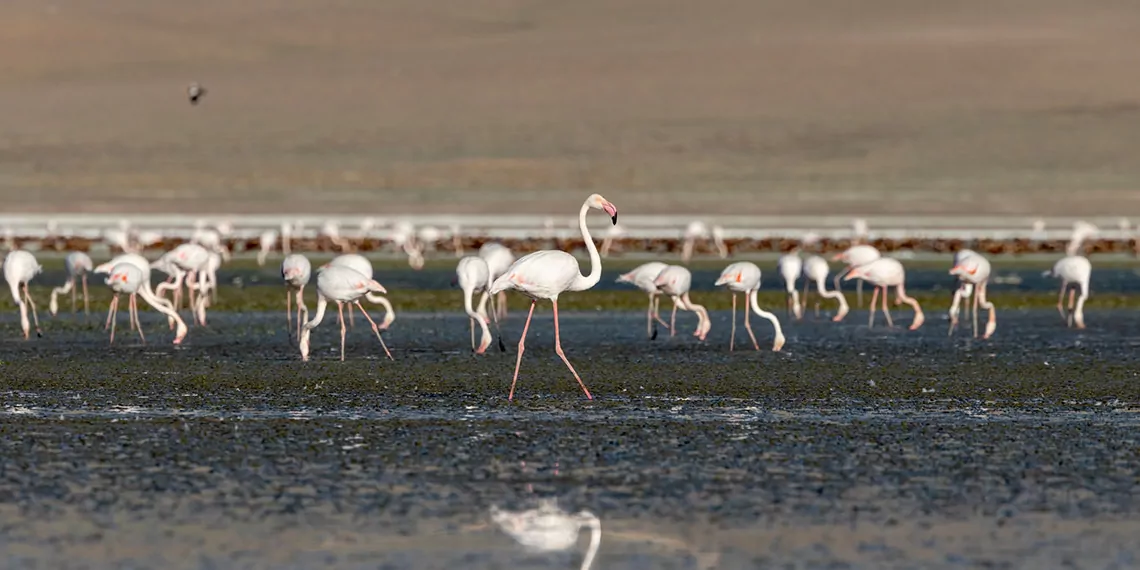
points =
(851, 448)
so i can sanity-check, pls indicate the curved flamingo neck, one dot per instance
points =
(583, 283)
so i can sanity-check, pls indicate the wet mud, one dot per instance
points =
(852, 447)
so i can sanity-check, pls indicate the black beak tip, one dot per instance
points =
(614, 218)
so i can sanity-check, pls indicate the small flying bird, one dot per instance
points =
(195, 92)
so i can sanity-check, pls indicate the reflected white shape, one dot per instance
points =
(549, 528)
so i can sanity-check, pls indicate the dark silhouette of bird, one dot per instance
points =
(195, 92)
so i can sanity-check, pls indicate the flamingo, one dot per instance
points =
(19, 268)
(546, 274)
(965, 289)
(883, 273)
(644, 276)
(403, 236)
(550, 529)
(361, 264)
(791, 266)
(1072, 270)
(125, 278)
(698, 230)
(266, 241)
(815, 271)
(614, 233)
(331, 230)
(675, 281)
(975, 270)
(855, 256)
(342, 285)
(159, 304)
(744, 277)
(78, 265)
(474, 277)
(499, 258)
(193, 259)
(295, 271)
(286, 237)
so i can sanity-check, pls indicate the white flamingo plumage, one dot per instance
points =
(744, 277)
(790, 266)
(474, 277)
(362, 265)
(499, 258)
(974, 270)
(341, 285)
(78, 265)
(815, 271)
(1074, 271)
(125, 278)
(547, 274)
(883, 273)
(852, 257)
(20, 267)
(161, 305)
(296, 271)
(675, 281)
(644, 277)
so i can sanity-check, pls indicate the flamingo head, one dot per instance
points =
(597, 202)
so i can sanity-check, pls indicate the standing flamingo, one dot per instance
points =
(266, 241)
(964, 290)
(361, 264)
(815, 271)
(883, 273)
(698, 230)
(644, 277)
(744, 277)
(675, 281)
(1073, 270)
(546, 274)
(855, 256)
(19, 268)
(791, 266)
(474, 277)
(550, 529)
(125, 278)
(499, 258)
(342, 285)
(159, 304)
(975, 270)
(295, 271)
(78, 265)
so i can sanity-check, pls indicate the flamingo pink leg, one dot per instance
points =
(886, 311)
(289, 311)
(86, 310)
(300, 306)
(351, 318)
(748, 327)
(874, 298)
(522, 347)
(558, 349)
(135, 316)
(36, 319)
(375, 328)
(732, 337)
(343, 330)
(114, 309)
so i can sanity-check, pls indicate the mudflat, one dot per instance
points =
(742, 106)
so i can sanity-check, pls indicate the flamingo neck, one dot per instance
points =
(764, 314)
(583, 283)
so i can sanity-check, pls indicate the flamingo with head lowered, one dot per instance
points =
(975, 271)
(644, 277)
(549, 273)
(744, 277)
(341, 285)
(19, 268)
(883, 273)
(815, 271)
(1074, 272)
(676, 281)
(78, 265)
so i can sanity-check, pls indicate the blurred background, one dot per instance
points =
(999, 107)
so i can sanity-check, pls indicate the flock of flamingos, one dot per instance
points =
(541, 275)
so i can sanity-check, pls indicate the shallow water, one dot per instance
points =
(851, 448)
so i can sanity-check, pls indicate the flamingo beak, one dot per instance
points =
(611, 210)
